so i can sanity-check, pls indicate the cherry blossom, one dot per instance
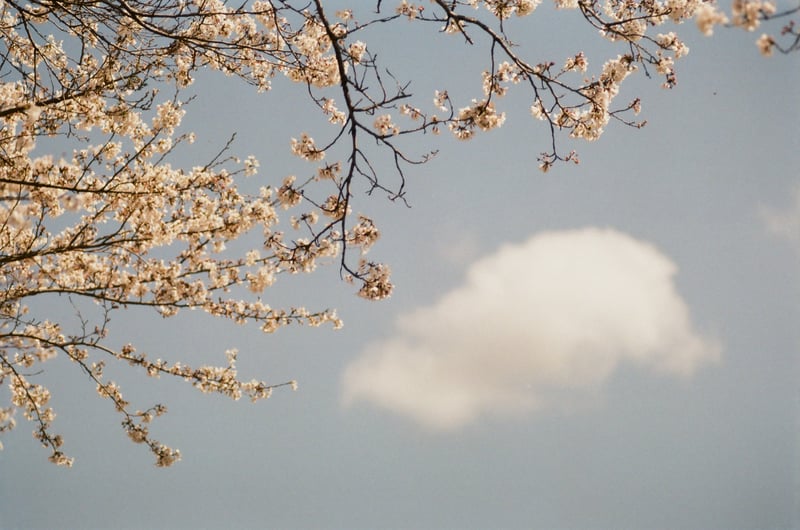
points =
(114, 221)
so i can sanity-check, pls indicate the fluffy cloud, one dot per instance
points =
(532, 325)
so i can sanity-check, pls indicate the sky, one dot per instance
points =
(608, 345)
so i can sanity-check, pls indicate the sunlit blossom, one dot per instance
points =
(113, 217)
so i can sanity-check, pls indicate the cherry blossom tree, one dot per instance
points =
(117, 222)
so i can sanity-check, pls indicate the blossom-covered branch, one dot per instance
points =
(115, 221)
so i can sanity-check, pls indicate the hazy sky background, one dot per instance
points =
(609, 345)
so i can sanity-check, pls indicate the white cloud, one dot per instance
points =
(785, 223)
(532, 324)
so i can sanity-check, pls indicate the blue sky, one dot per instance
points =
(609, 345)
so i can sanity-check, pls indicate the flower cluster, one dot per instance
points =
(495, 83)
(506, 8)
(384, 125)
(749, 13)
(481, 115)
(375, 280)
(329, 108)
(306, 149)
(707, 16)
(364, 234)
